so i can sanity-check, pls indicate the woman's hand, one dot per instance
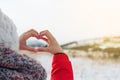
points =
(53, 46)
(24, 37)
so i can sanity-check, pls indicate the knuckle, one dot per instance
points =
(46, 31)
(32, 30)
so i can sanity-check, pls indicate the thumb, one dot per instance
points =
(29, 49)
(42, 49)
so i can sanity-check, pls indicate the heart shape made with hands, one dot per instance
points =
(31, 40)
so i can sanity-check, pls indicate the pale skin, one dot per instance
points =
(53, 46)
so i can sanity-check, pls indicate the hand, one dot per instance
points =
(53, 46)
(24, 37)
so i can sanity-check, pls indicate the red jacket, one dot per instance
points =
(61, 68)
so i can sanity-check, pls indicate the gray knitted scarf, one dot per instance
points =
(14, 66)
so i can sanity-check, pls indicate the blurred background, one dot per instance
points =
(87, 30)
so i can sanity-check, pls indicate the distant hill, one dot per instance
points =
(107, 45)
(102, 43)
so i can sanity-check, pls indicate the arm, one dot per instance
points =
(61, 66)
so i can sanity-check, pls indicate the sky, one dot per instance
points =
(67, 20)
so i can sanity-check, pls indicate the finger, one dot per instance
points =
(47, 34)
(29, 49)
(34, 33)
(31, 33)
(31, 30)
(44, 39)
(42, 49)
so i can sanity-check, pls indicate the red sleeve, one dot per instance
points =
(61, 68)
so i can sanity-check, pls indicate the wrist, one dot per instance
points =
(59, 50)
